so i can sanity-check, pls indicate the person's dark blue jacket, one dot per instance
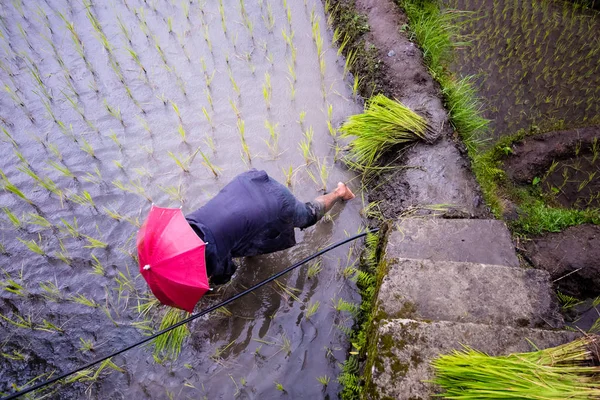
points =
(252, 215)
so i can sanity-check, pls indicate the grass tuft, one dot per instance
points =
(563, 372)
(384, 124)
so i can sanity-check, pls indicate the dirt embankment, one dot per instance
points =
(572, 259)
(533, 156)
(566, 166)
(424, 174)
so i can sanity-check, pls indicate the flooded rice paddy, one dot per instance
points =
(108, 107)
(534, 62)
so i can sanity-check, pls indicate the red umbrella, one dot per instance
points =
(172, 258)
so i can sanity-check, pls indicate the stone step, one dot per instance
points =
(484, 241)
(406, 347)
(468, 292)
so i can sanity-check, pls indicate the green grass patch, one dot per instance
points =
(565, 372)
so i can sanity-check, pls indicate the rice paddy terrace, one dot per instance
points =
(535, 66)
(108, 107)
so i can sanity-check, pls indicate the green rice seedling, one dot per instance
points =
(288, 292)
(174, 192)
(33, 246)
(160, 51)
(170, 24)
(181, 162)
(14, 96)
(210, 142)
(124, 30)
(302, 118)
(267, 90)
(48, 327)
(323, 174)
(115, 139)
(314, 269)
(21, 157)
(279, 387)
(384, 124)
(18, 321)
(208, 118)
(16, 356)
(83, 300)
(350, 61)
(289, 174)
(222, 13)
(561, 372)
(71, 229)
(12, 286)
(10, 138)
(94, 243)
(36, 219)
(269, 19)
(37, 77)
(170, 343)
(235, 109)
(85, 199)
(162, 98)
(45, 182)
(355, 85)
(305, 146)
(595, 150)
(208, 164)
(273, 142)
(113, 214)
(88, 375)
(63, 254)
(51, 292)
(234, 84)
(115, 112)
(312, 309)
(182, 134)
(270, 58)
(324, 380)
(95, 178)
(207, 39)
(86, 345)
(87, 147)
(97, 266)
(567, 302)
(176, 109)
(136, 59)
(64, 170)
(13, 219)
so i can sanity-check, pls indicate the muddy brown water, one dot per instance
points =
(260, 341)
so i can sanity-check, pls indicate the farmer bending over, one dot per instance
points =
(254, 215)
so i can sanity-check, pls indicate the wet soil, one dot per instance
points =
(565, 164)
(115, 133)
(571, 257)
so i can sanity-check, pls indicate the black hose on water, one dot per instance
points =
(191, 318)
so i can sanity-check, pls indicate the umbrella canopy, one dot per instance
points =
(172, 258)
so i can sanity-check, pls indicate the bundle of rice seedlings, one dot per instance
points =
(384, 124)
(569, 371)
